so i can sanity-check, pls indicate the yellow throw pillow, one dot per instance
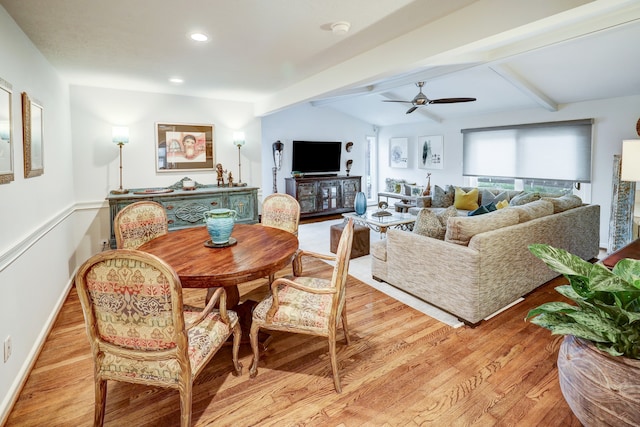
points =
(466, 201)
(502, 204)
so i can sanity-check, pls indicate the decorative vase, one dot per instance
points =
(360, 203)
(600, 389)
(220, 224)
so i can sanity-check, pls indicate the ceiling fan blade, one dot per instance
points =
(412, 109)
(450, 100)
(395, 100)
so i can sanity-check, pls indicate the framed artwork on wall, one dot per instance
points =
(430, 152)
(398, 152)
(184, 147)
(6, 133)
(32, 136)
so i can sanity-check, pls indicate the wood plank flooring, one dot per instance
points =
(401, 369)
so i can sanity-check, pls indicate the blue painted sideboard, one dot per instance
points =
(185, 208)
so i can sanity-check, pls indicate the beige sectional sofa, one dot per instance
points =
(484, 264)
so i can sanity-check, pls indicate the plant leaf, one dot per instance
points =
(561, 261)
(552, 307)
(628, 270)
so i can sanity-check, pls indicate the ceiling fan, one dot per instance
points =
(421, 99)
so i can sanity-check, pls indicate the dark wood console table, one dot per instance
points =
(185, 208)
(323, 195)
(632, 250)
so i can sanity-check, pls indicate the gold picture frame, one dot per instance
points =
(182, 147)
(33, 136)
(6, 133)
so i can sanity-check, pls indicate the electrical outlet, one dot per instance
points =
(7, 348)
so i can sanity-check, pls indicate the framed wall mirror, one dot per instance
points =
(6, 133)
(32, 129)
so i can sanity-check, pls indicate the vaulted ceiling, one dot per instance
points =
(509, 54)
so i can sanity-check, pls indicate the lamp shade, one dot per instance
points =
(630, 160)
(238, 139)
(120, 135)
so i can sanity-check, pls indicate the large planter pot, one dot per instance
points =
(601, 390)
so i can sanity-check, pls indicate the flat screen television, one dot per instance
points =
(316, 156)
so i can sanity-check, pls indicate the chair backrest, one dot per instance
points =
(138, 223)
(281, 211)
(341, 268)
(132, 302)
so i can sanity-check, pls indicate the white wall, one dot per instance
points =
(309, 123)
(36, 244)
(614, 120)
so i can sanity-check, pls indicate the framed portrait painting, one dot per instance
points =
(184, 147)
(430, 152)
(32, 136)
(6, 133)
(398, 152)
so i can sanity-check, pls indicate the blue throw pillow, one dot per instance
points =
(481, 210)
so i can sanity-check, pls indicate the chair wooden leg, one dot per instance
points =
(334, 363)
(237, 336)
(185, 403)
(101, 400)
(345, 328)
(272, 277)
(253, 337)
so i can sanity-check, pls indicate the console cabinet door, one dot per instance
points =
(307, 197)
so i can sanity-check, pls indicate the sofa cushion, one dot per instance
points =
(488, 196)
(533, 210)
(442, 198)
(524, 198)
(464, 200)
(563, 203)
(433, 224)
(461, 229)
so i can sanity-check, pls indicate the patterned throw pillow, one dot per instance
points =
(561, 204)
(431, 224)
(524, 198)
(442, 198)
(466, 201)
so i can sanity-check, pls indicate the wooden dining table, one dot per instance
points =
(258, 252)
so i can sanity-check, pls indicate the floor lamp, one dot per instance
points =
(630, 160)
(120, 137)
(238, 140)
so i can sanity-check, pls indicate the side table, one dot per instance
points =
(632, 250)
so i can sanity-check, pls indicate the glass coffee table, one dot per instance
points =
(381, 223)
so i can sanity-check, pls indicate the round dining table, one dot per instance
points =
(257, 252)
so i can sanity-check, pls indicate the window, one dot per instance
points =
(370, 171)
(547, 152)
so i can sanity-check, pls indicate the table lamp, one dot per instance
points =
(238, 140)
(120, 137)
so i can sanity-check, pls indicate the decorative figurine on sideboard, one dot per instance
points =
(427, 189)
(220, 172)
(230, 179)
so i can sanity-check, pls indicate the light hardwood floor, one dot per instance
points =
(402, 368)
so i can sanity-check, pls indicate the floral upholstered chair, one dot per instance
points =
(138, 331)
(138, 223)
(308, 305)
(281, 211)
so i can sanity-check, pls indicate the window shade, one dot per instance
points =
(553, 150)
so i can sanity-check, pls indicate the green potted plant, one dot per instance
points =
(598, 366)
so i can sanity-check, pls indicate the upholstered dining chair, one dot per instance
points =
(281, 211)
(308, 305)
(138, 329)
(138, 223)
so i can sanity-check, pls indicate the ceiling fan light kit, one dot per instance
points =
(421, 99)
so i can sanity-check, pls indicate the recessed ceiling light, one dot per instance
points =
(176, 80)
(199, 37)
(340, 27)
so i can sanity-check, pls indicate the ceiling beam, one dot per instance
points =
(525, 87)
